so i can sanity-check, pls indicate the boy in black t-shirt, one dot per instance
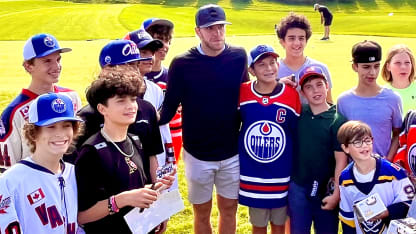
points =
(112, 172)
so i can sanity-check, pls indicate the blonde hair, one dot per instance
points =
(31, 131)
(397, 49)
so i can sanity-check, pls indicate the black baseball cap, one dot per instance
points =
(366, 52)
(210, 14)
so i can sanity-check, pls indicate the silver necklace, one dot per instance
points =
(115, 145)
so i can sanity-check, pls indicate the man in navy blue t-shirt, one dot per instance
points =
(205, 80)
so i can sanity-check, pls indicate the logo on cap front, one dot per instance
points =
(49, 42)
(129, 49)
(107, 59)
(372, 59)
(58, 105)
(262, 48)
(141, 34)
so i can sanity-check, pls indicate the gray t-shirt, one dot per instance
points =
(284, 70)
(382, 113)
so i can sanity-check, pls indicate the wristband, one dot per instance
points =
(114, 206)
(110, 207)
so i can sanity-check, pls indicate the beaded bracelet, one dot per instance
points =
(110, 207)
(114, 206)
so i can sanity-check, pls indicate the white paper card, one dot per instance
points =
(166, 205)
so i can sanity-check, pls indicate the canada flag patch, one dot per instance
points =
(35, 196)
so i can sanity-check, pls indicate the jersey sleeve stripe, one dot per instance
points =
(347, 221)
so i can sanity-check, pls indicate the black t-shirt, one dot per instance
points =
(208, 89)
(145, 127)
(325, 11)
(102, 171)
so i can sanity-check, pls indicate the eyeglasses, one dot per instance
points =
(359, 143)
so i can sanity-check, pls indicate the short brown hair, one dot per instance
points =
(353, 130)
(114, 80)
(397, 49)
(293, 21)
(30, 132)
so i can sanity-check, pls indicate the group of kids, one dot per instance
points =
(299, 155)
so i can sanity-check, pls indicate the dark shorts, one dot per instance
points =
(327, 21)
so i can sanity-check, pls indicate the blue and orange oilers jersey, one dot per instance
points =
(266, 144)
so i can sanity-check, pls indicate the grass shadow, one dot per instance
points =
(205, 2)
(169, 2)
(411, 3)
(368, 4)
(240, 4)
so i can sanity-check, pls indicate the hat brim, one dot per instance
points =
(55, 120)
(46, 53)
(127, 61)
(163, 22)
(309, 75)
(274, 54)
(213, 23)
(152, 45)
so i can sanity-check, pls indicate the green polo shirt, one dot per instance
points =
(314, 158)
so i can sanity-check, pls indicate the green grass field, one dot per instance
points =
(87, 27)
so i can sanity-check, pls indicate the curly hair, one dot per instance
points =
(293, 20)
(397, 49)
(31, 131)
(114, 80)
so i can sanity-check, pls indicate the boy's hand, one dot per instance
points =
(330, 202)
(288, 80)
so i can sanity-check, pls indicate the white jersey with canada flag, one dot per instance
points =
(266, 144)
(35, 200)
(13, 148)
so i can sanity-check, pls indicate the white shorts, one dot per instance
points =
(202, 175)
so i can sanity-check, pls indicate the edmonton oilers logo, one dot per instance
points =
(107, 59)
(49, 42)
(58, 105)
(411, 158)
(265, 141)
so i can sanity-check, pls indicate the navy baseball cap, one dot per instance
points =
(310, 71)
(366, 52)
(210, 14)
(50, 108)
(156, 21)
(120, 52)
(143, 40)
(41, 45)
(259, 51)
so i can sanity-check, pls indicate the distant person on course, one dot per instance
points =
(42, 60)
(326, 18)
(206, 81)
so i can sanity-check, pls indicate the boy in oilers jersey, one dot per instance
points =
(406, 155)
(318, 160)
(269, 112)
(42, 60)
(369, 174)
